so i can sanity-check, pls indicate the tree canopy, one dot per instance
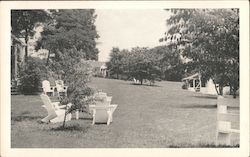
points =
(24, 22)
(71, 29)
(210, 39)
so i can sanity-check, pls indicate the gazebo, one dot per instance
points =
(193, 82)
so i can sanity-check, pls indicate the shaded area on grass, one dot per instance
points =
(193, 106)
(26, 118)
(206, 96)
(71, 128)
(205, 146)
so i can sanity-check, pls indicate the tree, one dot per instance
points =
(210, 39)
(169, 61)
(23, 23)
(71, 29)
(77, 75)
(30, 76)
(141, 64)
(115, 63)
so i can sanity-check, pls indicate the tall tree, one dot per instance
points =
(71, 29)
(23, 23)
(141, 64)
(115, 63)
(169, 61)
(210, 39)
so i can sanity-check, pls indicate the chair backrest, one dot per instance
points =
(106, 100)
(48, 105)
(46, 85)
(59, 84)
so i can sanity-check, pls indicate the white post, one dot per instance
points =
(77, 114)
(223, 134)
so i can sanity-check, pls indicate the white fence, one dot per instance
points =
(224, 128)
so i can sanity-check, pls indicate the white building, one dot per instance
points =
(195, 84)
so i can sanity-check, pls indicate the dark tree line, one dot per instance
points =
(145, 64)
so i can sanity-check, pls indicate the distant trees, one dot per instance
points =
(115, 64)
(210, 39)
(160, 62)
(144, 63)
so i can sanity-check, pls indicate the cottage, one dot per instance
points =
(99, 68)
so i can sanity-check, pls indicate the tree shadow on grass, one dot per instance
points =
(205, 96)
(205, 146)
(25, 118)
(147, 85)
(71, 128)
(198, 106)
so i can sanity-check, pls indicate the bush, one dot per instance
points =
(30, 76)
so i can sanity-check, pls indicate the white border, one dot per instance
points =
(5, 8)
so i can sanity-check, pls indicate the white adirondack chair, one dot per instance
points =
(102, 113)
(60, 87)
(47, 88)
(55, 112)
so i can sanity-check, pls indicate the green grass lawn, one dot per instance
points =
(146, 117)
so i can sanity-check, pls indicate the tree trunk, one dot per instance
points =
(216, 88)
(26, 46)
(141, 80)
(220, 90)
(64, 120)
(47, 62)
(117, 76)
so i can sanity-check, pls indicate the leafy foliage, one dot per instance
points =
(210, 39)
(31, 75)
(139, 63)
(23, 23)
(115, 64)
(71, 29)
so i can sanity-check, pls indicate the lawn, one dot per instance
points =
(146, 117)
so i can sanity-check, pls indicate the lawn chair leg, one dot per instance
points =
(94, 112)
(109, 118)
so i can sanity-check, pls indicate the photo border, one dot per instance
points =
(5, 31)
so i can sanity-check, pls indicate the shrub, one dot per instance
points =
(30, 76)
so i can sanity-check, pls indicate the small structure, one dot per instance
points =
(194, 83)
(104, 70)
(99, 68)
(17, 56)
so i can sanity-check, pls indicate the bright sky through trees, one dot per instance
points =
(129, 28)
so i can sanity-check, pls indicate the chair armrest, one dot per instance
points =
(65, 87)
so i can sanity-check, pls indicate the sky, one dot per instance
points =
(127, 28)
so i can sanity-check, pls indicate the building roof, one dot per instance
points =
(97, 64)
(13, 37)
(194, 76)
